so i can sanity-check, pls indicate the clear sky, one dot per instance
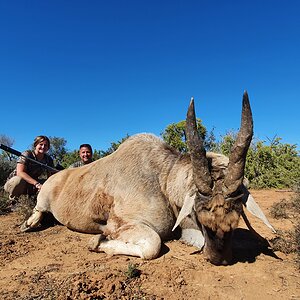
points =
(95, 71)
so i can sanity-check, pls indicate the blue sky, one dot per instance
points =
(95, 71)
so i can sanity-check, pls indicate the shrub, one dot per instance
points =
(4, 203)
(288, 241)
(25, 205)
(279, 210)
(6, 167)
(268, 166)
(273, 166)
(132, 271)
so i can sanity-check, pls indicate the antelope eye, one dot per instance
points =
(234, 197)
(204, 198)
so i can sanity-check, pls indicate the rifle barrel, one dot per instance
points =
(10, 150)
(18, 153)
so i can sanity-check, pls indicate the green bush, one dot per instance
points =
(4, 202)
(268, 166)
(273, 166)
(175, 134)
(6, 167)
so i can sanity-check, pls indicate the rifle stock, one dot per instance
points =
(18, 153)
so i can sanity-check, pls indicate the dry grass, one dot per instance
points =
(280, 209)
(25, 205)
(288, 241)
(4, 203)
(285, 242)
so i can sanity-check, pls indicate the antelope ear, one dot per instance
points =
(254, 208)
(186, 209)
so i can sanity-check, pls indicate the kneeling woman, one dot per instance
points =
(25, 178)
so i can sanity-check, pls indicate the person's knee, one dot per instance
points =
(16, 186)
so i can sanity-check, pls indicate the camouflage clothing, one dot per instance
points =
(16, 186)
(32, 169)
(77, 164)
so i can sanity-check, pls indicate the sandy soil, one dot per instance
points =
(54, 263)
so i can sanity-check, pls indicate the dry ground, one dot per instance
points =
(54, 263)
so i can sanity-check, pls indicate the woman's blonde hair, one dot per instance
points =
(41, 138)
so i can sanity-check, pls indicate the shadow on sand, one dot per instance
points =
(246, 247)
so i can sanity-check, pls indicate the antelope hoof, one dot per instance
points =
(24, 227)
(95, 242)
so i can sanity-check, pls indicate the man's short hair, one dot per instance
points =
(86, 146)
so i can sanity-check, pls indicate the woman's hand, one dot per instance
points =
(38, 186)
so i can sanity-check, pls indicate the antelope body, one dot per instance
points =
(133, 199)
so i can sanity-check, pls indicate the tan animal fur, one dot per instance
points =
(132, 198)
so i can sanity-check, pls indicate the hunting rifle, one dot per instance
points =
(18, 153)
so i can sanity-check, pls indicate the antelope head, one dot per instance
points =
(218, 204)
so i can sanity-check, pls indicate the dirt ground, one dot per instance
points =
(54, 263)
